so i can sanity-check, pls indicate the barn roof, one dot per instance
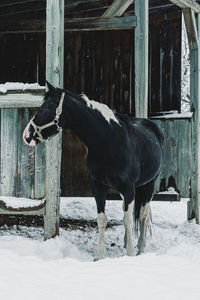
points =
(36, 9)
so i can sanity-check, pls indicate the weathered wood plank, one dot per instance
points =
(141, 58)
(54, 74)
(9, 134)
(187, 4)
(117, 8)
(184, 157)
(32, 212)
(75, 24)
(25, 159)
(195, 107)
(20, 100)
(109, 23)
(176, 169)
(40, 169)
(190, 27)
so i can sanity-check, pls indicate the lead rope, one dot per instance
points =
(55, 121)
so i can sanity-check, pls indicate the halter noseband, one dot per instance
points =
(55, 121)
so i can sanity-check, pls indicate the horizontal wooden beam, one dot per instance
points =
(187, 4)
(38, 212)
(111, 23)
(80, 24)
(25, 100)
(117, 8)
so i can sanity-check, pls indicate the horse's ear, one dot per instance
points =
(50, 87)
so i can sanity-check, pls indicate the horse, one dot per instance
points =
(124, 154)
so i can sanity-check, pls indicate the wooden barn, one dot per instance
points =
(126, 54)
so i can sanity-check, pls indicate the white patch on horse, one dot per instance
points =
(102, 223)
(106, 112)
(26, 135)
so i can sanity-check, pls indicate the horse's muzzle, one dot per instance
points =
(27, 139)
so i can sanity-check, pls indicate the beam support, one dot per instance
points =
(117, 8)
(193, 32)
(141, 58)
(54, 74)
(187, 4)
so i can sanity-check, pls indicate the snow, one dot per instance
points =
(182, 115)
(170, 190)
(185, 68)
(63, 268)
(9, 86)
(20, 202)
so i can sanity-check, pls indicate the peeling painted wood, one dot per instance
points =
(9, 133)
(20, 100)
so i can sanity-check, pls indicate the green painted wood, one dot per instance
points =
(141, 58)
(26, 155)
(117, 8)
(9, 133)
(176, 169)
(193, 205)
(20, 100)
(40, 170)
(54, 74)
(184, 157)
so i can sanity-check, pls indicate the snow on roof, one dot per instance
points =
(10, 86)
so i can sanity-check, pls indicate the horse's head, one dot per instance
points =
(47, 120)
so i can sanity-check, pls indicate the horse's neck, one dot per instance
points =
(92, 127)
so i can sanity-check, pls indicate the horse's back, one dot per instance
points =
(144, 124)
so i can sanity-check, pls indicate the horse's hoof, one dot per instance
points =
(96, 259)
(140, 252)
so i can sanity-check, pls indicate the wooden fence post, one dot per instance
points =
(141, 58)
(193, 31)
(54, 74)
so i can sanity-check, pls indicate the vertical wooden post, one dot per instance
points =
(141, 58)
(193, 32)
(54, 74)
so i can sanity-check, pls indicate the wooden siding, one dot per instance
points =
(22, 167)
(176, 170)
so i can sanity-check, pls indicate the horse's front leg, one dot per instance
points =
(100, 191)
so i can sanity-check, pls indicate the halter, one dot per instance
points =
(55, 121)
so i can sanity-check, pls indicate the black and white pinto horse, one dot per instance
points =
(124, 154)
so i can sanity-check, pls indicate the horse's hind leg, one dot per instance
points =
(100, 191)
(128, 199)
(142, 211)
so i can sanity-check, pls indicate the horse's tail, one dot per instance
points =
(136, 215)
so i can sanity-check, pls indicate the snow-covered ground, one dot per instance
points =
(63, 268)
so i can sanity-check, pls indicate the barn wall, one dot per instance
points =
(100, 64)
(22, 168)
